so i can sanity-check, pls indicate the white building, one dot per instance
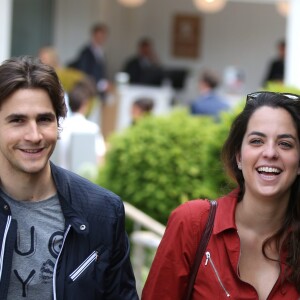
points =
(244, 34)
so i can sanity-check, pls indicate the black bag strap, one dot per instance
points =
(201, 248)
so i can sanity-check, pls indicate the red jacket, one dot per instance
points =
(217, 277)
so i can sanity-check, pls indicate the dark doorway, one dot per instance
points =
(32, 26)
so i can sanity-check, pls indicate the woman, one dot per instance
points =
(254, 250)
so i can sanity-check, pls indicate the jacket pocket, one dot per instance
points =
(210, 261)
(90, 260)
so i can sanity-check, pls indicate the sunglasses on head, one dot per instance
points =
(290, 96)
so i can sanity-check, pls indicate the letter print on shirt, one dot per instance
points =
(40, 231)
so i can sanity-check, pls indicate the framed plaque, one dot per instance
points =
(186, 33)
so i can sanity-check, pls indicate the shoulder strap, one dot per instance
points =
(201, 248)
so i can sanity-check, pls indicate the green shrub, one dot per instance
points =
(281, 88)
(163, 161)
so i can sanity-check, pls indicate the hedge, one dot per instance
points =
(164, 161)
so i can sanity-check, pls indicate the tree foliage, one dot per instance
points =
(163, 161)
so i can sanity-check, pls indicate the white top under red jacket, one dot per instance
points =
(218, 273)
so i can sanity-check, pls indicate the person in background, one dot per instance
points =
(209, 102)
(144, 68)
(276, 67)
(80, 99)
(141, 107)
(254, 249)
(49, 56)
(92, 61)
(67, 76)
(62, 237)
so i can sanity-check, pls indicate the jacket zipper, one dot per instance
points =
(3, 244)
(209, 259)
(75, 274)
(55, 267)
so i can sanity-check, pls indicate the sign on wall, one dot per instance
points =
(186, 33)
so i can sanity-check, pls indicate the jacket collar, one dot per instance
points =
(69, 205)
(225, 215)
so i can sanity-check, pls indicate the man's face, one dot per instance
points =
(28, 132)
(99, 37)
(281, 51)
(146, 50)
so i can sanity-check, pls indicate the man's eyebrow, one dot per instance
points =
(23, 116)
(15, 116)
(280, 136)
(47, 115)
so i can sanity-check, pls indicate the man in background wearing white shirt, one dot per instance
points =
(80, 98)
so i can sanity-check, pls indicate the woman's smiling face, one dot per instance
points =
(270, 153)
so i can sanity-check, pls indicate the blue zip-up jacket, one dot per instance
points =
(94, 259)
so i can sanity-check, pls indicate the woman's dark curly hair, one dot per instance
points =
(232, 147)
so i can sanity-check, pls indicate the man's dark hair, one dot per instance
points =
(82, 92)
(210, 78)
(145, 104)
(144, 42)
(26, 72)
(281, 43)
(99, 27)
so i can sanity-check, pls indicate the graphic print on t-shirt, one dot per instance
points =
(41, 262)
(40, 232)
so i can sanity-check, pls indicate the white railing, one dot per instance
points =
(142, 239)
(143, 220)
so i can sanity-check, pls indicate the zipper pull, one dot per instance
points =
(97, 256)
(207, 257)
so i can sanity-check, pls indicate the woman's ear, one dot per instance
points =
(238, 161)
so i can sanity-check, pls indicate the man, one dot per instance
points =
(144, 67)
(209, 102)
(91, 59)
(140, 108)
(80, 101)
(275, 70)
(62, 237)
(67, 76)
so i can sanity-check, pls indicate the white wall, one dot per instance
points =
(5, 25)
(243, 34)
(292, 76)
(73, 19)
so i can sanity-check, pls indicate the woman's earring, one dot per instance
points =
(239, 165)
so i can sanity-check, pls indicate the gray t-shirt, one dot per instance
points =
(39, 240)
